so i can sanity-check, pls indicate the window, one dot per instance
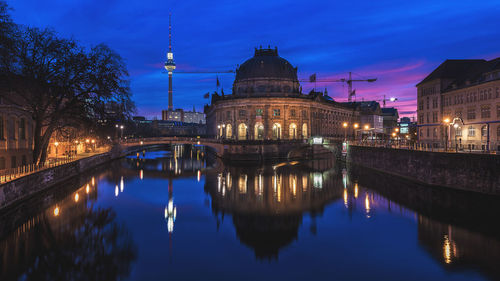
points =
(435, 117)
(12, 129)
(258, 112)
(242, 113)
(428, 99)
(292, 112)
(434, 133)
(1, 129)
(484, 131)
(434, 103)
(421, 105)
(228, 114)
(22, 129)
(458, 114)
(458, 132)
(471, 114)
(472, 132)
(304, 113)
(276, 112)
(428, 119)
(485, 111)
(428, 133)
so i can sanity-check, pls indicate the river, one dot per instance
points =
(178, 214)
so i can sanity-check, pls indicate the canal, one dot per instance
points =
(178, 214)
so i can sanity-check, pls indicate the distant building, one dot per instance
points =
(16, 136)
(267, 103)
(390, 116)
(179, 115)
(466, 93)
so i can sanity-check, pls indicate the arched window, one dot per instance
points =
(229, 131)
(259, 131)
(293, 131)
(304, 131)
(276, 131)
(242, 131)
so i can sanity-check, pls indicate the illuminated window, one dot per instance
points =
(471, 113)
(472, 131)
(258, 112)
(292, 112)
(276, 112)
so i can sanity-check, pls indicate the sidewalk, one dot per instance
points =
(21, 171)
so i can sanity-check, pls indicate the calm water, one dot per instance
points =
(176, 215)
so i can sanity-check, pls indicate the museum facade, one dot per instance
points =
(267, 103)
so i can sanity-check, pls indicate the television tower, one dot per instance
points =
(170, 63)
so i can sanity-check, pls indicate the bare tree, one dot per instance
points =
(61, 83)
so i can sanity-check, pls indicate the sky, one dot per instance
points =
(397, 42)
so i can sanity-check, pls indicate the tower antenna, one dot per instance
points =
(170, 63)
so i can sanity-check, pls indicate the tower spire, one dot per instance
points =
(170, 63)
(170, 32)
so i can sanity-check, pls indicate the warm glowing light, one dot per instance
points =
(56, 211)
(447, 120)
(367, 204)
(76, 141)
(356, 125)
(345, 124)
(122, 185)
(393, 134)
(447, 249)
(87, 140)
(142, 142)
(93, 141)
(198, 176)
(77, 197)
(455, 126)
(242, 184)
(356, 190)
(116, 191)
(345, 197)
(87, 189)
(93, 181)
(56, 143)
(141, 174)
(367, 127)
(396, 129)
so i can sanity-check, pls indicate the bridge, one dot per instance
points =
(253, 150)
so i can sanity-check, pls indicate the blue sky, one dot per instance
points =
(399, 42)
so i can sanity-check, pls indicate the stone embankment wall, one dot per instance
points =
(464, 171)
(24, 187)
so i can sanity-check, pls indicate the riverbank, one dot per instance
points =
(24, 187)
(471, 172)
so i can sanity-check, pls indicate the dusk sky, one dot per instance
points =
(398, 42)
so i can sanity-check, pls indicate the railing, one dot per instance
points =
(416, 146)
(24, 170)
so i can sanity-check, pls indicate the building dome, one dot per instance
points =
(266, 74)
(266, 64)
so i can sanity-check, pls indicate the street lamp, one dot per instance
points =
(56, 144)
(447, 132)
(121, 128)
(345, 130)
(356, 125)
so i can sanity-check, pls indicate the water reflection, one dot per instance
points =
(71, 240)
(268, 203)
(278, 212)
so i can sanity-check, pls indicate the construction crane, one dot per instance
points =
(349, 81)
(393, 99)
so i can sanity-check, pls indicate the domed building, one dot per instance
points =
(267, 103)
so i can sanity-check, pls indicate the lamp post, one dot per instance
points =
(356, 125)
(121, 131)
(446, 133)
(345, 130)
(56, 144)
(455, 126)
(224, 133)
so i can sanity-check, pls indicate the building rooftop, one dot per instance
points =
(464, 72)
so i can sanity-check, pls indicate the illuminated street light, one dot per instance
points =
(56, 211)
(447, 120)
(56, 144)
(345, 124)
(367, 127)
(356, 125)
